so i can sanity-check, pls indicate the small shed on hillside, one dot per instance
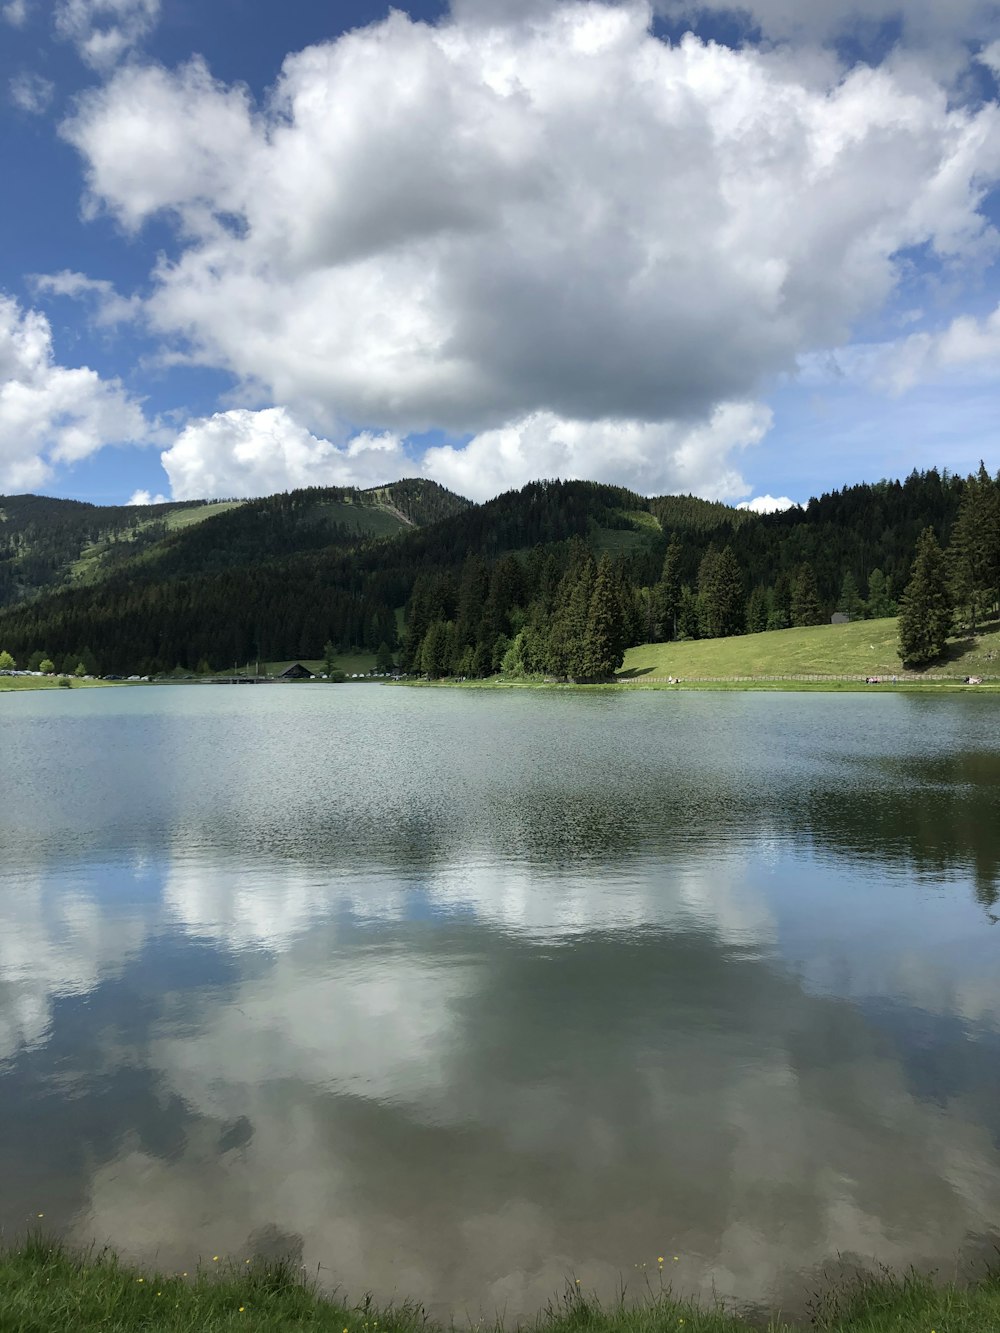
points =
(296, 672)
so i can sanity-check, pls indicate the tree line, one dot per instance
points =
(559, 579)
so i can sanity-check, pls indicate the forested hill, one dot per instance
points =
(47, 543)
(286, 576)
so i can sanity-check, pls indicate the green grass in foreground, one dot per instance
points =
(45, 1289)
(862, 648)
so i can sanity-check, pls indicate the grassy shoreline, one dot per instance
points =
(781, 685)
(12, 683)
(787, 685)
(45, 1288)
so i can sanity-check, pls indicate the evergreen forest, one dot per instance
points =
(554, 580)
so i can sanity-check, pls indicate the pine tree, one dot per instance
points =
(383, 659)
(757, 611)
(849, 602)
(975, 549)
(576, 619)
(806, 609)
(721, 597)
(925, 618)
(667, 593)
(603, 645)
(329, 658)
(569, 622)
(438, 649)
(880, 601)
(780, 609)
(687, 616)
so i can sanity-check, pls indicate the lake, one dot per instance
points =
(458, 995)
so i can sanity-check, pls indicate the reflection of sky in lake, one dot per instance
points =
(456, 993)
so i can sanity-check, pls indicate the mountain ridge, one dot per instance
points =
(285, 576)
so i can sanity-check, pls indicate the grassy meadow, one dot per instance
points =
(46, 1289)
(861, 648)
(9, 683)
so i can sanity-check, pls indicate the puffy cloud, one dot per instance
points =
(256, 453)
(51, 413)
(157, 155)
(146, 498)
(247, 453)
(649, 457)
(105, 30)
(31, 93)
(562, 236)
(967, 344)
(110, 307)
(767, 504)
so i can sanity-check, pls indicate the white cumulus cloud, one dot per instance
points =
(246, 453)
(967, 343)
(543, 233)
(103, 31)
(767, 504)
(649, 457)
(51, 413)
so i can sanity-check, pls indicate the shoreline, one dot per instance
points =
(46, 1286)
(719, 684)
(780, 685)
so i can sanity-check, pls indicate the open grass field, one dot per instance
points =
(862, 648)
(177, 519)
(44, 1289)
(10, 683)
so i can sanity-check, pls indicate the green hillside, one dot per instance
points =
(44, 540)
(117, 546)
(519, 583)
(861, 648)
(47, 543)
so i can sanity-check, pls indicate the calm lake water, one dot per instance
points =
(461, 994)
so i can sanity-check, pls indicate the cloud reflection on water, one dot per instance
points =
(557, 987)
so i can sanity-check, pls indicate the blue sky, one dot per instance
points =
(248, 246)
